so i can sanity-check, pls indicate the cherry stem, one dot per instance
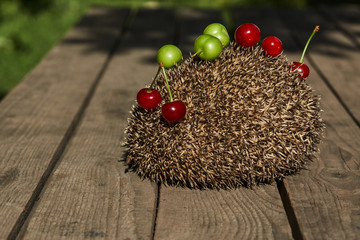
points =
(153, 81)
(167, 82)
(196, 53)
(308, 41)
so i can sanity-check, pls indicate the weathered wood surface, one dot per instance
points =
(121, 205)
(39, 116)
(62, 174)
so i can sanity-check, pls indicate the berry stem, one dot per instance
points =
(153, 81)
(308, 41)
(196, 53)
(166, 80)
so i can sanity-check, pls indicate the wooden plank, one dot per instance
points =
(324, 198)
(90, 195)
(346, 19)
(331, 52)
(38, 116)
(236, 214)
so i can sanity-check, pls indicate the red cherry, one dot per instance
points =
(247, 35)
(174, 111)
(148, 98)
(272, 46)
(301, 68)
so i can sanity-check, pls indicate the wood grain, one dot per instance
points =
(238, 214)
(36, 116)
(325, 197)
(90, 195)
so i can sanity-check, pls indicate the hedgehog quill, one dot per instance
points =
(247, 118)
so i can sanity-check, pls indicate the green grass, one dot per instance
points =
(26, 37)
(29, 29)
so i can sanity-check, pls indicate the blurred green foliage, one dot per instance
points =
(30, 28)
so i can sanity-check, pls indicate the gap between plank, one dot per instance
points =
(156, 210)
(290, 213)
(71, 130)
(326, 81)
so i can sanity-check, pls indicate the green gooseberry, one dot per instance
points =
(219, 31)
(207, 47)
(169, 55)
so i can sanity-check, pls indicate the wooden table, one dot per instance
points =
(62, 174)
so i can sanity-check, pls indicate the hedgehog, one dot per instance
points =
(249, 121)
